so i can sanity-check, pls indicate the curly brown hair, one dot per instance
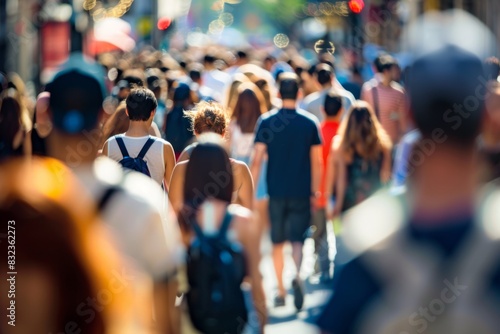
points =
(208, 117)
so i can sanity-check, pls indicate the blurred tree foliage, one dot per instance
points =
(283, 12)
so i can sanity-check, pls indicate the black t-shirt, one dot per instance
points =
(288, 135)
(357, 285)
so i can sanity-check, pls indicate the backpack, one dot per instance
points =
(215, 270)
(137, 164)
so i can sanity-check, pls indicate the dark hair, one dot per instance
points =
(210, 59)
(324, 74)
(208, 175)
(133, 81)
(140, 103)
(333, 103)
(289, 86)
(242, 54)
(247, 111)
(195, 74)
(492, 68)
(10, 120)
(384, 62)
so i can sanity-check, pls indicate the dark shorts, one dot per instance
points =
(290, 219)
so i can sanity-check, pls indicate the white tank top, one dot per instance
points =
(154, 156)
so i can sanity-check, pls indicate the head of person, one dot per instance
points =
(141, 105)
(155, 84)
(77, 93)
(11, 129)
(62, 252)
(195, 73)
(446, 102)
(383, 64)
(324, 75)
(233, 90)
(182, 95)
(209, 176)
(249, 107)
(265, 91)
(208, 117)
(288, 86)
(241, 57)
(362, 133)
(209, 60)
(332, 107)
(492, 68)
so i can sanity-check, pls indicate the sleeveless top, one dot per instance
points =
(363, 180)
(241, 143)
(154, 156)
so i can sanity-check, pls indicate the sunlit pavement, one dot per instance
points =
(286, 319)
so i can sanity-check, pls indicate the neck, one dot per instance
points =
(74, 151)
(332, 118)
(289, 104)
(385, 79)
(138, 129)
(328, 85)
(438, 185)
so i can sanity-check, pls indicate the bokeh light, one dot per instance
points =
(216, 27)
(227, 19)
(164, 23)
(281, 41)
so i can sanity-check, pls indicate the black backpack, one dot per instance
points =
(137, 164)
(216, 268)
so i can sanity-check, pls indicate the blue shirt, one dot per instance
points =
(289, 135)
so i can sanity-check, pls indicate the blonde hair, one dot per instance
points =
(361, 132)
(208, 117)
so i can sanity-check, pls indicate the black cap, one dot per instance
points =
(76, 95)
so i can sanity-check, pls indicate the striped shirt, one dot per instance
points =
(389, 103)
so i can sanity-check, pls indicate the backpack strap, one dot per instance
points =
(145, 148)
(225, 225)
(121, 145)
(104, 200)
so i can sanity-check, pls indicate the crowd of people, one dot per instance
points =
(142, 186)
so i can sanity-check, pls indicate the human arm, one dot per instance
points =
(259, 151)
(176, 191)
(246, 188)
(385, 171)
(316, 170)
(105, 149)
(331, 171)
(250, 239)
(169, 160)
(341, 183)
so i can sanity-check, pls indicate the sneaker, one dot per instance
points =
(279, 301)
(298, 294)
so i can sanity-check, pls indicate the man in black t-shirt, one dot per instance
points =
(292, 140)
(430, 260)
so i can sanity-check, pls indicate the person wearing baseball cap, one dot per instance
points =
(427, 260)
(132, 205)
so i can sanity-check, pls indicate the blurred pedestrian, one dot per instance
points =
(207, 204)
(325, 76)
(177, 126)
(292, 141)
(363, 155)
(387, 98)
(132, 205)
(211, 117)
(428, 260)
(14, 139)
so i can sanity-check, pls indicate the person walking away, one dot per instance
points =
(291, 138)
(159, 154)
(333, 111)
(325, 76)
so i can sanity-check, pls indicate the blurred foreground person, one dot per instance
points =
(210, 117)
(70, 277)
(132, 205)
(291, 138)
(14, 139)
(210, 224)
(489, 140)
(429, 261)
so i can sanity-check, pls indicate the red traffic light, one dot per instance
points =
(164, 23)
(356, 6)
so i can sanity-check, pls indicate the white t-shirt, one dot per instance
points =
(139, 215)
(154, 156)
